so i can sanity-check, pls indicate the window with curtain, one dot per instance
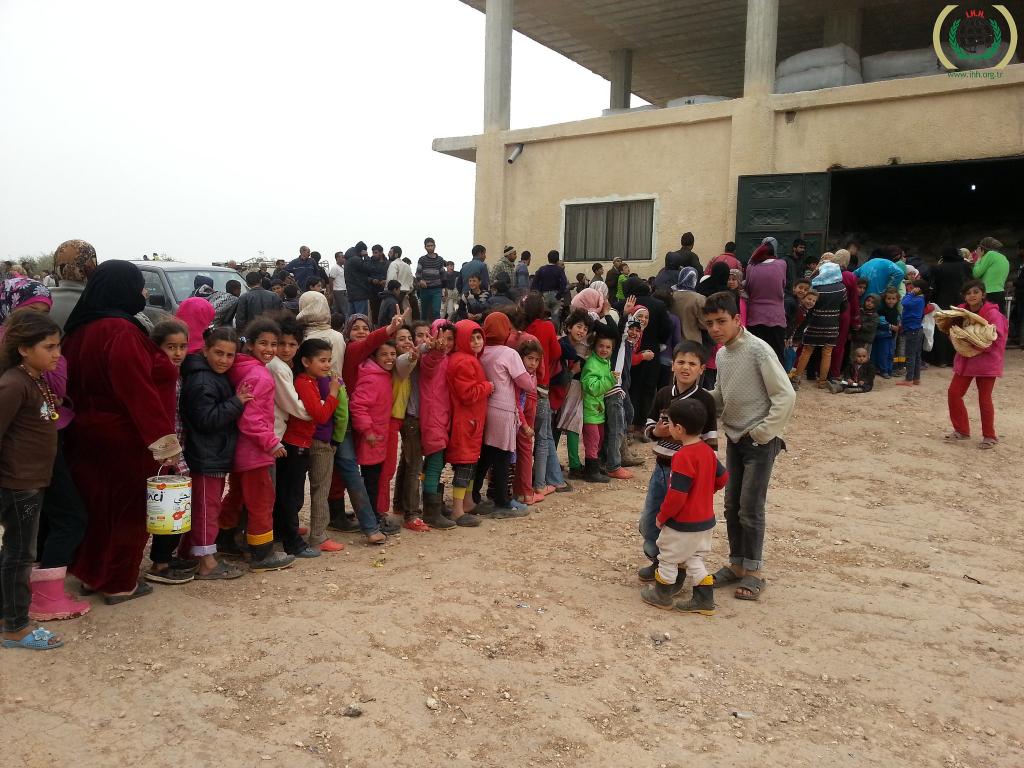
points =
(602, 231)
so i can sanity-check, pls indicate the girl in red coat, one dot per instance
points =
(435, 418)
(370, 416)
(316, 362)
(469, 389)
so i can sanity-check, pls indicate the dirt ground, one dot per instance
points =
(890, 634)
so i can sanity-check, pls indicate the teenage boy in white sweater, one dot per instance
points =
(754, 400)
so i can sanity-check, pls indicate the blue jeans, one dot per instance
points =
(430, 303)
(881, 354)
(614, 428)
(652, 504)
(361, 307)
(346, 464)
(750, 469)
(914, 342)
(546, 469)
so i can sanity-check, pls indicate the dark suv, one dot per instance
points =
(169, 283)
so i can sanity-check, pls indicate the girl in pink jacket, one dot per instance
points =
(370, 416)
(435, 418)
(505, 370)
(250, 484)
(983, 369)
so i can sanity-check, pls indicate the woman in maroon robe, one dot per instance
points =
(122, 386)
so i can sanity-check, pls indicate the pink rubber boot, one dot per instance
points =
(49, 602)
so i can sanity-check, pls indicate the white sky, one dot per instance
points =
(214, 130)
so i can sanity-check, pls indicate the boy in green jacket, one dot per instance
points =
(597, 380)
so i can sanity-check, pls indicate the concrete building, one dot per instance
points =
(923, 160)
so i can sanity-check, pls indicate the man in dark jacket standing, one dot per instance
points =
(612, 278)
(357, 278)
(476, 266)
(684, 257)
(256, 301)
(302, 268)
(377, 276)
(795, 262)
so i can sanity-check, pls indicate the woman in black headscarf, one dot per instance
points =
(948, 278)
(716, 281)
(123, 388)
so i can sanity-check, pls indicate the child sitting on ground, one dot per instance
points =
(687, 368)
(859, 376)
(687, 516)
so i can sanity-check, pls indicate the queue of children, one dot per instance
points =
(254, 415)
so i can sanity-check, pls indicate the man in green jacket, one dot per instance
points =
(992, 268)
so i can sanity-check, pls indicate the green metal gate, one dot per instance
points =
(784, 206)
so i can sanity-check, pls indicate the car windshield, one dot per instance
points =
(183, 280)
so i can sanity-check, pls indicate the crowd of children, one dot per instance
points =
(307, 398)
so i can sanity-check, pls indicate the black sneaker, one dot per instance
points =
(346, 524)
(168, 576)
(307, 553)
(390, 527)
(190, 565)
(275, 561)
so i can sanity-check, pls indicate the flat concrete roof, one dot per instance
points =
(690, 47)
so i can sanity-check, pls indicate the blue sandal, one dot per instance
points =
(36, 640)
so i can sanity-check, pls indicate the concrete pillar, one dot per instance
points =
(498, 65)
(489, 213)
(843, 26)
(752, 149)
(762, 40)
(621, 78)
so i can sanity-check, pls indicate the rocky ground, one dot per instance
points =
(890, 634)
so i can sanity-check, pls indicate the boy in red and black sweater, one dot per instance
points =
(687, 516)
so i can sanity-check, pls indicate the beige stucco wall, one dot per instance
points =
(685, 167)
(689, 158)
(954, 125)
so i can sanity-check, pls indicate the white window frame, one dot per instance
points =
(613, 199)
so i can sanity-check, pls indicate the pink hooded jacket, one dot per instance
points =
(989, 362)
(197, 314)
(256, 438)
(435, 404)
(370, 412)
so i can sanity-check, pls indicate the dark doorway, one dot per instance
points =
(928, 207)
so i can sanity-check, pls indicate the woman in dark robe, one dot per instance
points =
(948, 278)
(122, 387)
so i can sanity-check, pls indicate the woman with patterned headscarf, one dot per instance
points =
(74, 261)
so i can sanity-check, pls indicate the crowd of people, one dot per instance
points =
(369, 380)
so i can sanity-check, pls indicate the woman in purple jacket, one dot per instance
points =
(766, 298)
